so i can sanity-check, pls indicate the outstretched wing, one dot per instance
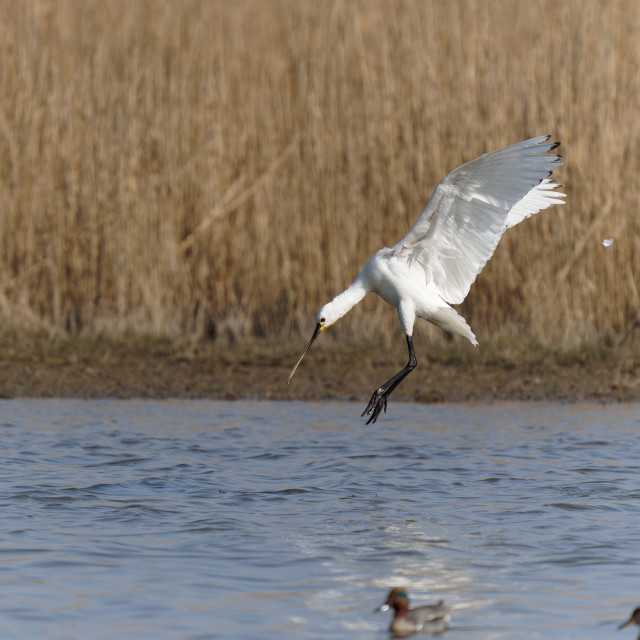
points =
(473, 206)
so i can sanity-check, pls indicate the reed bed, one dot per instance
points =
(221, 169)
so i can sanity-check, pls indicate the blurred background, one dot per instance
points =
(222, 169)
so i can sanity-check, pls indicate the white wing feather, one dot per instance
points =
(473, 206)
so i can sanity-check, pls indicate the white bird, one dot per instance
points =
(436, 263)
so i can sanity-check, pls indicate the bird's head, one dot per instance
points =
(326, 317)
(397, 599)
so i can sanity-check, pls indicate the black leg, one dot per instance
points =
(379, 398)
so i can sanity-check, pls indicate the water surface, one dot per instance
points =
(205, 519)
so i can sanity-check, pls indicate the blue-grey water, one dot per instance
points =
(203, 519)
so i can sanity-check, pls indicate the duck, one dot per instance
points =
(429, 618)
(634, 619)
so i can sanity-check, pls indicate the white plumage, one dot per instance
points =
(436, 263)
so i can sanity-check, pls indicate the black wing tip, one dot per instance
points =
(555, 184)
(552, 145)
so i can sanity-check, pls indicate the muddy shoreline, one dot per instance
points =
(95, 369)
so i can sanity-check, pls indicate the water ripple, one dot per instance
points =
(290, 520)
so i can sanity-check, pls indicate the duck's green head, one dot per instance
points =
(397, 599)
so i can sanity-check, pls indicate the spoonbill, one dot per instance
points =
(436, 263)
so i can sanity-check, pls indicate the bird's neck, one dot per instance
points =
(401, 608)
(348, 299)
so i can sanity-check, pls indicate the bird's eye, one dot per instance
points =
(321, 320)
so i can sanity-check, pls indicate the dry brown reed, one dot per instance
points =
(221, 168)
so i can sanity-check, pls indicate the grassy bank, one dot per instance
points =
(220, 170)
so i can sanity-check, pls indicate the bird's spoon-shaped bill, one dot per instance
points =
(316, 333)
